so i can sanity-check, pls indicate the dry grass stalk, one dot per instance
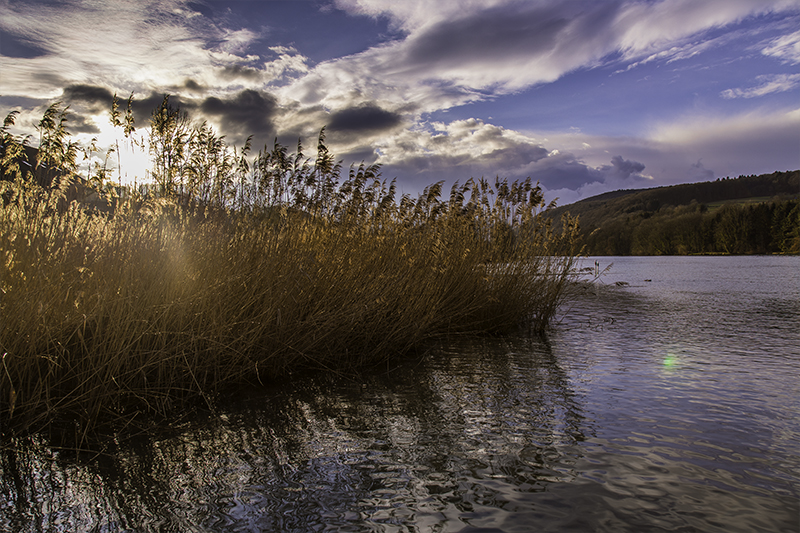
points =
(237, 270)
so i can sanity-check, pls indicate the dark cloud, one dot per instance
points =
(363, 118)
(193, 86)
(364, 154)
(513, 162)
(17, 47)
(488, 34)
(84, 99)
(94, 97)
(248, 112)
(143, 107)
(552, 173)
(80, 124)
(234, 72)
(23, 102)
(516, 156)
(700, 173)
(563, 172)
(49, 78)
(622, 168)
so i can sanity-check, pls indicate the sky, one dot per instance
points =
(582, 96)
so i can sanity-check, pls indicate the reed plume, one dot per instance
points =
(232, 269)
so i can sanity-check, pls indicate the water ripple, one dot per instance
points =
(670, 405)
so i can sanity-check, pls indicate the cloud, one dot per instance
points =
(450, 61)
(139, 46)
(681, 51)
(20, 48)
(469, 141)
(81, 124)
(237, 42)
(623, 168)
(688, 149)
(563, 170)
(96, 98)
(289, 60)
(194, 86)
(200, 8)
(685, 149)
(472, 148)
(247, 113)
(241, 72)
(646, 27)
(786, 48)
(774, 83)
(452, 54)
(143, 108)
(700, 173)
(85, 103)
(750, 143)
(486, 36)
(413, 14)
(364, 118)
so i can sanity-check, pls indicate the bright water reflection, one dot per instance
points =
(670, 404)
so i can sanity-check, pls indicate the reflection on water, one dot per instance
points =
(663, 405)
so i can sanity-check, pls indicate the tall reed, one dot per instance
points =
(234, 270)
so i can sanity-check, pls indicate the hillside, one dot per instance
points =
(748, 214)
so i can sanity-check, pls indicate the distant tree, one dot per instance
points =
(730, 231)
(785, 227)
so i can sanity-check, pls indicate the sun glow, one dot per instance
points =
(126, 157)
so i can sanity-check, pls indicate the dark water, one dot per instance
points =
(664, 405)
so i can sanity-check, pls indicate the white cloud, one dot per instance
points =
(454, 53)
(136, 43)
(139, 46)
(679, 52)
(774, 83)
(469, 143)
(688, 149)
(750, 143)
(237, 42)
(288, 61)
(467, 148)
(648, 26)
(699, 147)
(411, 15)
(786, 48)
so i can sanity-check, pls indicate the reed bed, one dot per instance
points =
(243, 271)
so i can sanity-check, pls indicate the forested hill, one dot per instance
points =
(748, 214)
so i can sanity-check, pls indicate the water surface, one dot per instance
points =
(661, 405)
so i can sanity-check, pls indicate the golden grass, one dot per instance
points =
(160, 300)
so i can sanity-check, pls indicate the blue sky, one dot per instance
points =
(583, 96)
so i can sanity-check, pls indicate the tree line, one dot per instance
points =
(744, 215)
(760, 228)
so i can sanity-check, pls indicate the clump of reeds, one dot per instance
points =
(232, 270)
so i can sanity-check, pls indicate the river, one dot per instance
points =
(669, 401)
